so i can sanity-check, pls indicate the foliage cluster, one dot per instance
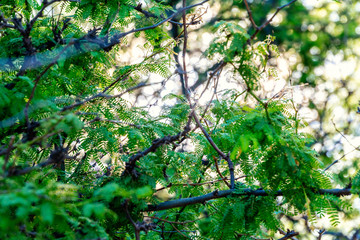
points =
(80, 161)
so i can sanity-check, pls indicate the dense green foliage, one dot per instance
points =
(81, 159)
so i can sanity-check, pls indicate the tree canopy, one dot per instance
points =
(124, 119)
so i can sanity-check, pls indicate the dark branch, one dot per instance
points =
(289, 234)
(284, 233)
(103, 95)
(36, 81)
(57, 156)
(218, 171)
(258, 29)
(148, 14)
(99, 42)
(106, 45)
(338, 235)
(40, 14)
(130, 165)
(4, 23)
(244, 192)
(321, 232)
(250, 14)
(217, 149)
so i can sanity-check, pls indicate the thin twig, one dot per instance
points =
(98, 119)
(136, 228)
(7, 152)
(178, 229)
(180, 223)
(103, 95)
(115, 38)
(130, 165)
(192, 231)
(184, 52)
(333, 163)
(250, 14)
(354, 147)
(337, 130)
(218, 171)
(321, 232)
(216, 73)
(40, 14)
(36, 81)
(119, 79)
(258, 29)
(337, 160)
(196, 184)
(289, 234)
(148, 14)
(216, 83)
(217, 149)
(55, 157)
(187, 93)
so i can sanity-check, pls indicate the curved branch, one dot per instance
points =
(95, 41)
(217, 149)
(258, 29)
(244, 192)
(107, 46)
(289, 234)
(130, 165)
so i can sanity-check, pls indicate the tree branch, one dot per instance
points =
(103, 95)
(130, 165)
(321, 232)
(102, 42)
(107, 46)
(195, 184)
(7, 152)
(148, 14)
(250, 14)
(218, 171)
(244, 192)
(5, 22)
(217, 149)
(258, 29)
(40, 13)
(36, 81)
(128, 216)
(180, 223)
(284, 233)
(58, 155)
(289, 234)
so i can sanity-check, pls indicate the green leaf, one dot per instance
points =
(143, 192)
(96, 209)
(46, 212)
